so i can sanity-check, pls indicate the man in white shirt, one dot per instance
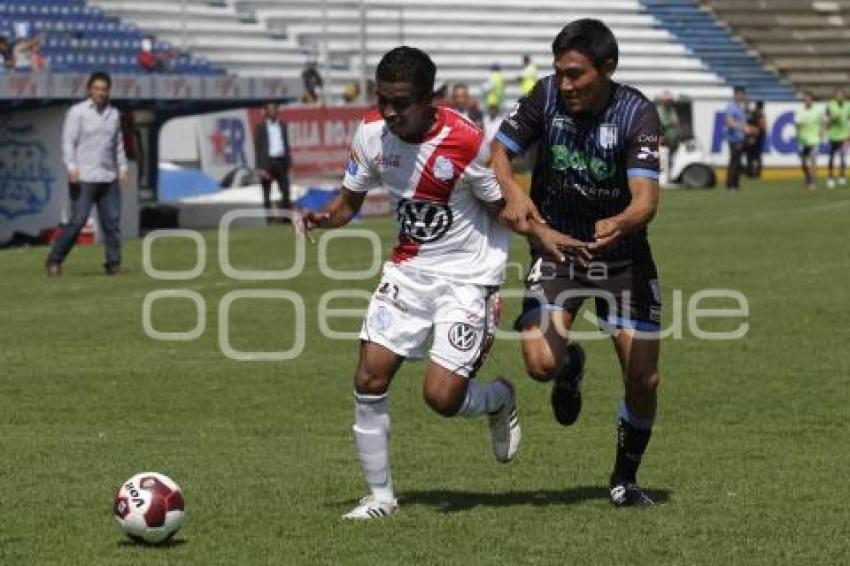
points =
(93, 152)
(271, 145)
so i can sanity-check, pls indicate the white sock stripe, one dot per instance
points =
(368, 398)
(362, 430)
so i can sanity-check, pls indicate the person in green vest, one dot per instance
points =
(837, 132)
(670, 123)
(494, 88)
(529, 75)
(809, 126)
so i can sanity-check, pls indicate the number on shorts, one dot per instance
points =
(535, 274)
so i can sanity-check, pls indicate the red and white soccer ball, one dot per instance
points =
(149, 507)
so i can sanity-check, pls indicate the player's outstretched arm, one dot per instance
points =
(519, 212)
(338, 212)
(638, 214)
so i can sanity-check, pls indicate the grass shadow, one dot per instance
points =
(450, 501)
(170, 543)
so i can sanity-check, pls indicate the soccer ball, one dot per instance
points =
(149, 507)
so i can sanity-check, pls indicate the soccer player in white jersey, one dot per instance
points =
(443, 276)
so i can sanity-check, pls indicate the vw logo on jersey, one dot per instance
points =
(462, 336)
(423, 221)
(443, 168)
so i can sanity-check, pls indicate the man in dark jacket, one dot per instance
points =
(271, 145)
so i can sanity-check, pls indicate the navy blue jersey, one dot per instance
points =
(584, 162)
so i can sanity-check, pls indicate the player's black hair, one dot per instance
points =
(408, 65)
(589, 37)
(739, 90)
(99, 76)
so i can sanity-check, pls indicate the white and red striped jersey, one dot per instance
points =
(436, 188)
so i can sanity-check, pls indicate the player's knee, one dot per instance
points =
(371, 382)
(441, 401)
(645, 380)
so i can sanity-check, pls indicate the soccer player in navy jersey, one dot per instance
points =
(595, 181)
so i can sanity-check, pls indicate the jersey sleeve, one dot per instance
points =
(360, 173)
(481, 179)
(524, 125)
(642, 159)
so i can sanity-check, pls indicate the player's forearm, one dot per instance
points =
(504, 171)
(341, 209)
(637, 215)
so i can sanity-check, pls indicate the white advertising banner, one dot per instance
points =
(780, 146)
(33, 183)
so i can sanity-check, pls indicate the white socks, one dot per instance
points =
(483, 399)
(372, 436)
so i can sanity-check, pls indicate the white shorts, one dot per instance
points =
(409, 306)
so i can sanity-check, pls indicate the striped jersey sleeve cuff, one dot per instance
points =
(508, 143)
(638, 172)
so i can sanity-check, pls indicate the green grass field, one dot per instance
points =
(749, 457)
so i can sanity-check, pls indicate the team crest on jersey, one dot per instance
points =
(607, 137)
(423, 221)
(443, 168)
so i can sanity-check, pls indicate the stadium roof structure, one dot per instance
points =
(166, 94)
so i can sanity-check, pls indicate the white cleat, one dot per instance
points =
(842, 181)
(371, 508)
(505, 432)
(830, 183)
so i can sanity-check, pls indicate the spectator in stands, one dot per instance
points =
(808, 121)
(151, 60)
(494, 88)
(271, 145)
(93, 153)
(464, 104)
(26, 54)
(736, 127)
(754, 139)
(670, 123)
(837, 131)
(351, 92)
(312, 84)
(529, 75)
(6, 59)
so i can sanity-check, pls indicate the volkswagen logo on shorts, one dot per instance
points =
(423, 221)
(462, 336)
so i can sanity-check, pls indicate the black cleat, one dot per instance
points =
(566, 391)
(628, 494)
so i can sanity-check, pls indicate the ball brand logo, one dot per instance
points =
(423, 221)
(462, 336)
(134, 493)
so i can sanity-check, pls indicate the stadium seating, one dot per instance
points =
(80, 38)
(806, 41)
(725, 54)
(276, 37)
